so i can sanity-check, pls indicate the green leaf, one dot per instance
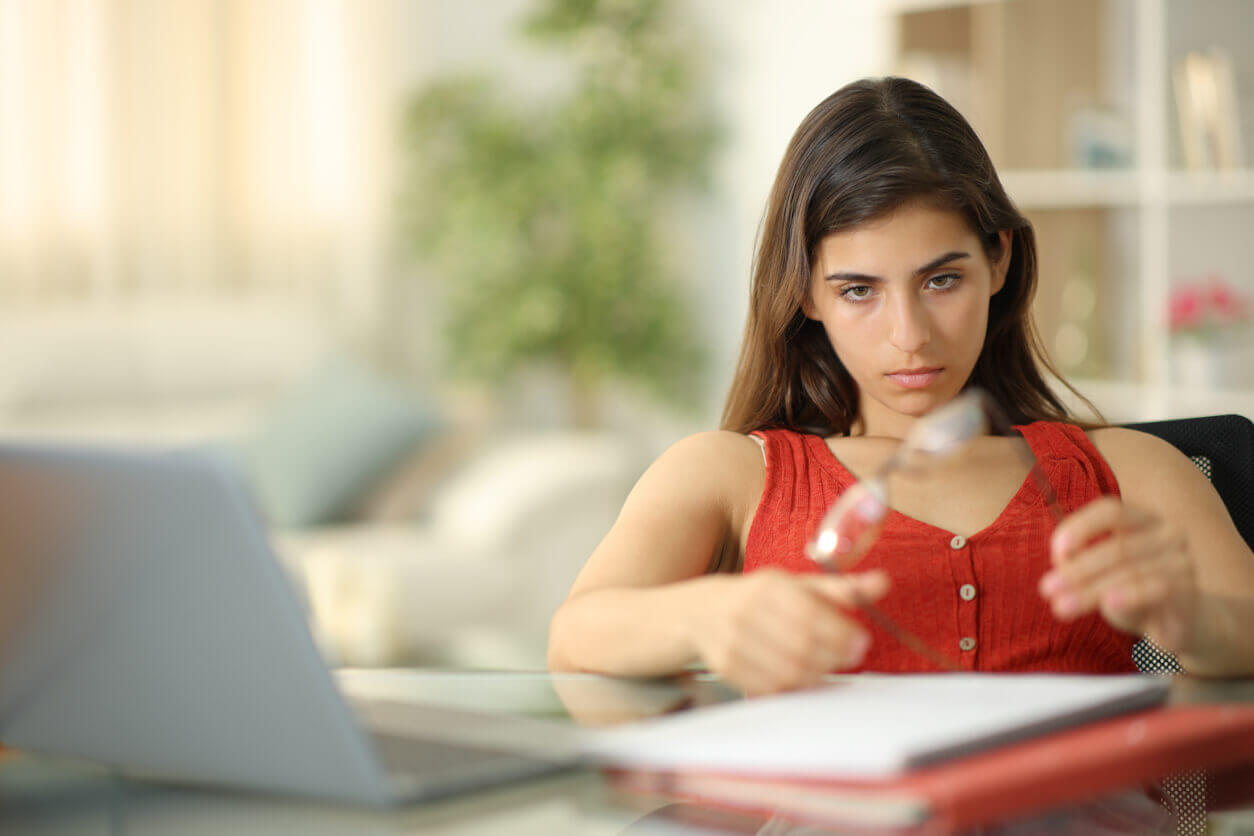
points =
(544, 222)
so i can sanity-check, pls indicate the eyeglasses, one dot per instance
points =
(850, 527)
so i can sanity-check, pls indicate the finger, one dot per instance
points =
(753, 657)
(1150, 606)
(1089, 564)
(1123, 593)
(764, 667)
(1158, 600)
(812, 633)
(1169, 631)
(758, 669)
(789, 638)
(754, 681)
(1136, 602)
(790, 613)
(847, 593)
(1101, 516)
(849, 590)
(806, 615)
(764, 682)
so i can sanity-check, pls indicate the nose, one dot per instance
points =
(909, 329)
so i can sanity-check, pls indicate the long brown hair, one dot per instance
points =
(868, 148)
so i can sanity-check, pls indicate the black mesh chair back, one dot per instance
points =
(1222, 446)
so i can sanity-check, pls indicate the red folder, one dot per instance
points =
(1070, 767)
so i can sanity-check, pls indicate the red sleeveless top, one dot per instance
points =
(973, 598)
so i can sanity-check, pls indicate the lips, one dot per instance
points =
(916, 378)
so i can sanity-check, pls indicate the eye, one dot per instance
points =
(946, 281)
(856, 292)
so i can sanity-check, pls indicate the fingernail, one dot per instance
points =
(877, 582)
(1051, 584)
(1066, 605)
(858, 646)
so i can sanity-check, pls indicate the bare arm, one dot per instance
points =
(645, 605)
(1166, 561)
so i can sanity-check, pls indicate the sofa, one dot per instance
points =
(474, 581)
(415, 529)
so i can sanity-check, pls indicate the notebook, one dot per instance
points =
(1072, 767)
(870, 726)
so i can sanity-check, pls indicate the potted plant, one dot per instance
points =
(1209, 323)
(547, 223)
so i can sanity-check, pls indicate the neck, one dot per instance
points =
(882, 424)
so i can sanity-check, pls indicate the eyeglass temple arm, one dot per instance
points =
(1002, 426)
(903, 635)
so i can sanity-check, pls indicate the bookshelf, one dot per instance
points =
(1077, 104)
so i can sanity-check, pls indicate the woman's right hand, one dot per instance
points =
(772, 630)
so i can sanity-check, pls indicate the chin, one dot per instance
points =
(918, 402)
(911, 404)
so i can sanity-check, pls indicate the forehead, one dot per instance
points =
(898, 241)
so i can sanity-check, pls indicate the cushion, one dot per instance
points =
(406, 493)
(329, 441)
(515, 481)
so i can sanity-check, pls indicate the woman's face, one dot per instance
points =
(904, 300)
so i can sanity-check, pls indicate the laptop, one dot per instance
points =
(146, 624)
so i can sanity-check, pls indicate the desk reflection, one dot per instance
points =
(41, 796)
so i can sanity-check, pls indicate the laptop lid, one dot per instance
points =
(158, 633)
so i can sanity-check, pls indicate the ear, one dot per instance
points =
(807, 301)
(1001, 264)
(807, 307)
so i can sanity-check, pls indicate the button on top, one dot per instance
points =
(958, 542)
(967, 591)
(967, 643)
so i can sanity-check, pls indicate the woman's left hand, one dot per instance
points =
(1127, 563)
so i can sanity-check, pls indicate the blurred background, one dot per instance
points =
(443, 277)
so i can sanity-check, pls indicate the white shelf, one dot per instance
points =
(1067, 189)
(909, 6)
(1121, 402)
(1211, 187)
(1072, 189)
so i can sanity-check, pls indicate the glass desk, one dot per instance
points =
(48, 796)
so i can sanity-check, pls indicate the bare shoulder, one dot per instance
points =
(723, 464)
(1123, 442)
(676, 520)
(1148, 467)
(719, 444)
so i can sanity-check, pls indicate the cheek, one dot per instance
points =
(967, 320)
(850, 341)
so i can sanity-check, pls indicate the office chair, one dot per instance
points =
(1222, 446)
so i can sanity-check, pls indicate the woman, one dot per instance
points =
(892, 273)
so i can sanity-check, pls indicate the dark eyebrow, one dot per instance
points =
(953, 255)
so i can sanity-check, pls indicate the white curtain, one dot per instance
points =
(194, 148)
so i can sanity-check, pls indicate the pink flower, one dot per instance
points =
(1184, 309)
(1205, 306)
